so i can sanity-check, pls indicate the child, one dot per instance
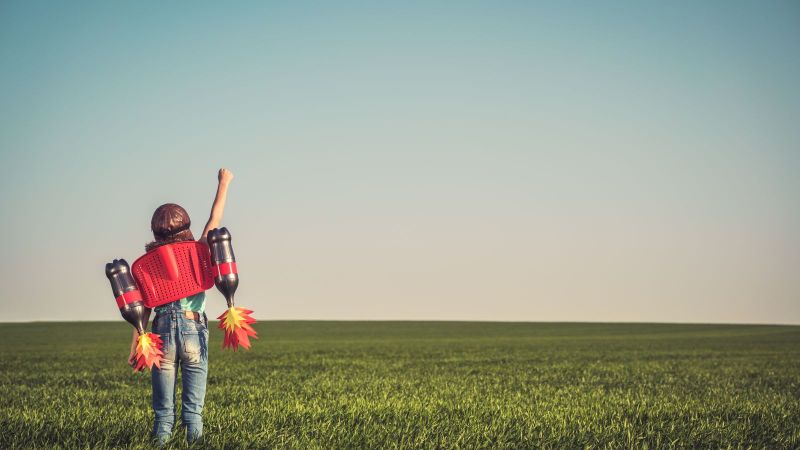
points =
(183, 326)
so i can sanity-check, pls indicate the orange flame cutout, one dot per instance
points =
(235, 322)
(148, 351)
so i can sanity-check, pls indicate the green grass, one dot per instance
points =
(421, 384)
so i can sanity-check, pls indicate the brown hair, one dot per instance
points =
(170, 223)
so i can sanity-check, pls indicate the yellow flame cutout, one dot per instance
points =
(148, 351)
(235, 322)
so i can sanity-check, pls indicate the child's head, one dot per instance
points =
(170, 223)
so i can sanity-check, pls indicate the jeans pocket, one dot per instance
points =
(193, 335)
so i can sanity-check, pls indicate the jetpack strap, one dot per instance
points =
(173, 271)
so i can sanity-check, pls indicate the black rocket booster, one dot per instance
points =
(129, 299)
(236, 322)
(226, 277)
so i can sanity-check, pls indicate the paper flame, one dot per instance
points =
(235, 322)
(148, 351)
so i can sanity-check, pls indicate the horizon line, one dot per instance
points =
(779, 324)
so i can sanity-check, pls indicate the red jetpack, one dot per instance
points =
(173, 271)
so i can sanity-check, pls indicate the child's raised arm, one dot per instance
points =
(218, 208)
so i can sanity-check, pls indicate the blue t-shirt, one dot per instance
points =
(196, 302)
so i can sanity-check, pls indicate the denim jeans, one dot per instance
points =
(185, 346)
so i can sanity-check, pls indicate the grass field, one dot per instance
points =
(421, 384)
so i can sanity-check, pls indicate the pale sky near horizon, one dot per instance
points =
(571, 161)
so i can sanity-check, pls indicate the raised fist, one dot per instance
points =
(225, 176)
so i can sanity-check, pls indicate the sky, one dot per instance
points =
(455, 160)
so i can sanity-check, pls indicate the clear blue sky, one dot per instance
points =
(621, 161)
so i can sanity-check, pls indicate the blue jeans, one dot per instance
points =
(185, 346)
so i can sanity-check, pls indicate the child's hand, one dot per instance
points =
(225, 176)
(132, 359)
